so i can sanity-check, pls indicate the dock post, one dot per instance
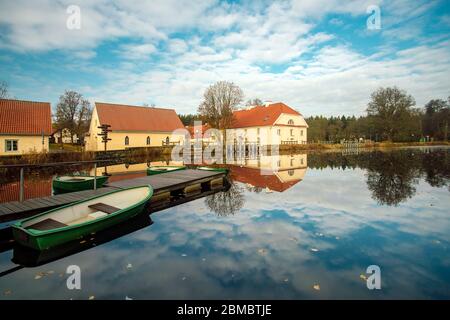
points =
(95, 176)
(21, 187)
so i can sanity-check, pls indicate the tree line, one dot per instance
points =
(391, 115)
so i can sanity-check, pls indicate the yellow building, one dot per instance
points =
(270, 124)
(25, 126)
(133, 127)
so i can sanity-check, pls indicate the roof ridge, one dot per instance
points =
(129, 105)
(20, 100)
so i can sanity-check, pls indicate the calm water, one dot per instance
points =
(319, 221)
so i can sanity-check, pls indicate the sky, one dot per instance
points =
(321, 57)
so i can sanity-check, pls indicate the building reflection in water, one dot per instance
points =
(269, 172)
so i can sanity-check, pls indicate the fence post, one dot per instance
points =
(21, 185)
(95, 176)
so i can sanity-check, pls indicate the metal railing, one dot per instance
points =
(47, 165)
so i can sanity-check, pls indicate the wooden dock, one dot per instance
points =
(170, 184)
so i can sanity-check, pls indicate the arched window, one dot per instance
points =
(148, 141)
(127, 141)
(291, 122)
(291, 172)
(167, 140)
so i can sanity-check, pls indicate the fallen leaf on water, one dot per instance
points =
(91, 297)
(262, 251)
(362, 276)
(128, 298)
(184, 255)
(316, 287)
(84, 241)
(129, 266)
(184, 278)
(286, 280)
(37, 277)
(314, 249)
(51, 272)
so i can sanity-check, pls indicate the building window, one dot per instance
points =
(127, 141)
(148, 141)
(301, 133)
(279, 132)
(257, 131)
(292, 162)
(292, 132)
(291, 122)
(11, 145)
(167, 141)
(258, 140)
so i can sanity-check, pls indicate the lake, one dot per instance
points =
(307, 230)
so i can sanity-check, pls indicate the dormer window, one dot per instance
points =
(291, 122)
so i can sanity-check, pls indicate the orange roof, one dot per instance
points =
(25, 117)
(133, 118)
(254, 177)
(261, 115)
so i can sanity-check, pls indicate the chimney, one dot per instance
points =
(267, 103)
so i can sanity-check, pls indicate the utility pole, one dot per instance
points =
(104, 133)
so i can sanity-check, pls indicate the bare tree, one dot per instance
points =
(392, 108)
(73, 112)
(219, 102)
(254, 102)
(3, 90)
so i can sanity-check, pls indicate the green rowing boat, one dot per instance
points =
(73, 221)
(77, 183)
(162, 169)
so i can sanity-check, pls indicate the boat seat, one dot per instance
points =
(104, 207)
(47, 224)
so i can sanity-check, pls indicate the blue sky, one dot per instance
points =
(316, 55)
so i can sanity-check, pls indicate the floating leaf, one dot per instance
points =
(51, 272)
(91, 297)
(262, 252)
(128, 298)
(129, 266)
(184, 255)
(363, 276)
(286, 280)
(83, 241)
(37, 277)
(314, 250)
(316, 287)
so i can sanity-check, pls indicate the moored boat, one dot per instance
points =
(77, 183)
(162, 169)
(73, 221)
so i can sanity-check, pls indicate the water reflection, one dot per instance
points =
(324, 230)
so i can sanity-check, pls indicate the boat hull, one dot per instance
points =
(45, 240)
(151, 172)
(69, 186)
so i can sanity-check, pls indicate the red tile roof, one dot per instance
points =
(133, 118)
(25, 117)
(261, 115)
(254, 177)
